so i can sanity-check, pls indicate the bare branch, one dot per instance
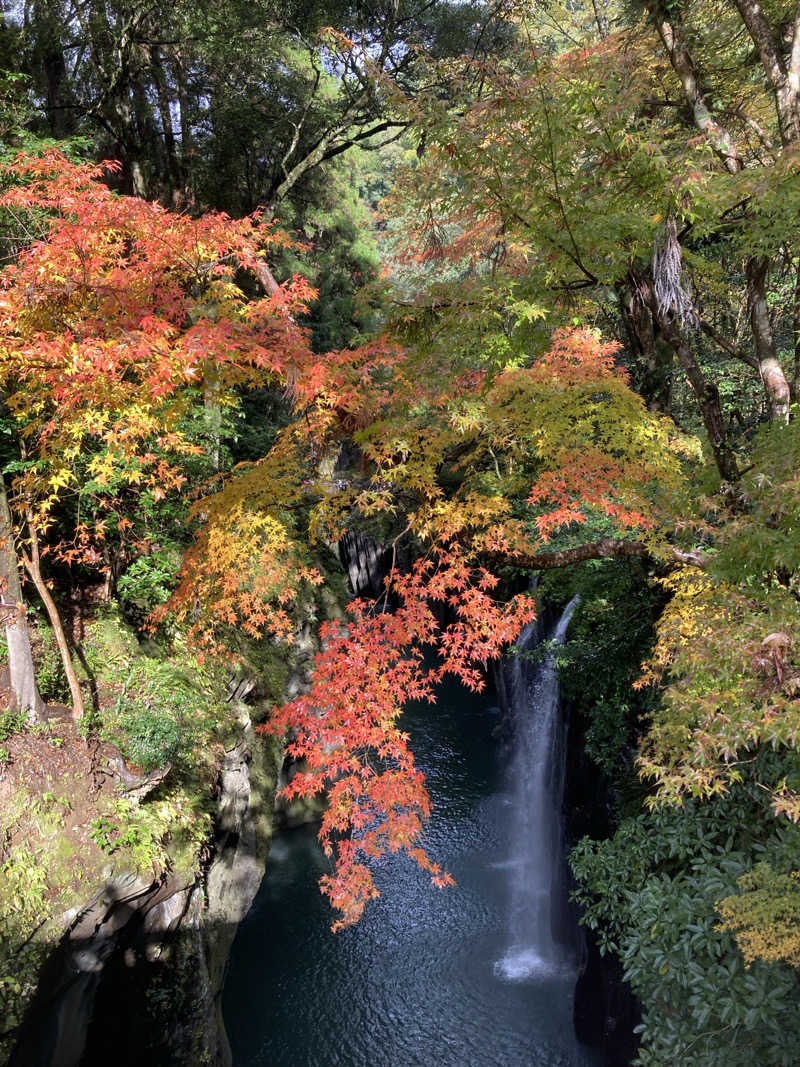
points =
(728, 346)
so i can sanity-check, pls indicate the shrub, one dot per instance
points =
(157, 717)
(50, 675)
(12, 722)
(151, 736)
(149, 581)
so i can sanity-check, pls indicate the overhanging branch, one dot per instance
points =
(606, 548)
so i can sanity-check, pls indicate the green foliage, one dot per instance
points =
(50, 675)
(167, 832)
(148, 736)
(260, 416)
(102, 831)
(164, 709)
(157, 717)
(34, 868)
(149, 580)
(610, 636)
(608, 737)
(759, 543)
(12, 722)
(111, 647)
(651, 893)
(731, 668)
(341, 257)
(23, 909)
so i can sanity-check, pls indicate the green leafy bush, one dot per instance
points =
(162, 711)
(12, 722)
(159, 715)
(652, 892)
(149, 580)
(145, 726)
(151, 735)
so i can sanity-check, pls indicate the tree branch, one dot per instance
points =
(672, 35)
(727, 346)
(606, 548)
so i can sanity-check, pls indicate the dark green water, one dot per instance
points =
(415, 983)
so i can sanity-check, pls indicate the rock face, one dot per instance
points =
(57, 1026)
(605, 1008)
(366, 562)
(244, 832)
(138, 974)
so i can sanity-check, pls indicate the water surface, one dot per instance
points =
(420, 981)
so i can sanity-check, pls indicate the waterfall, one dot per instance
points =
(537, 943)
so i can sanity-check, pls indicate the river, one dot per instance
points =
(424, 979)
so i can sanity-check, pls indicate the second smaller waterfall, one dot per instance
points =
(536, 866)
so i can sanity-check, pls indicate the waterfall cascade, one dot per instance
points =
(539, 941)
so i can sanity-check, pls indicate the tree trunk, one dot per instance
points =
(187, 140)
(213, 413)
(672, 34)
(785, 84)
(775, 384)
(706, 392)
(165, 116)
(32, 566)
(708, 398)
(130, 146)
(146, 146)
(655, 358)
(20, 657)
(783, 78)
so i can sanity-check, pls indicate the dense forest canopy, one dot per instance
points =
(501, 287)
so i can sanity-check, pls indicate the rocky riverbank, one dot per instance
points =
(121, 891)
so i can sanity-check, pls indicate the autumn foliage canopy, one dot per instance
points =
(117, 311)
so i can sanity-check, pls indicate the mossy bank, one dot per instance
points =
(131, 847)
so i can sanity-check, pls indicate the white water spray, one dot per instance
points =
(537, 774)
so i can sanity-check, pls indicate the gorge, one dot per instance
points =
(483, 973)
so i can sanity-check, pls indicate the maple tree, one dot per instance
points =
(345, 728)
(112, 311)
(481, 469)
(570, 189)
